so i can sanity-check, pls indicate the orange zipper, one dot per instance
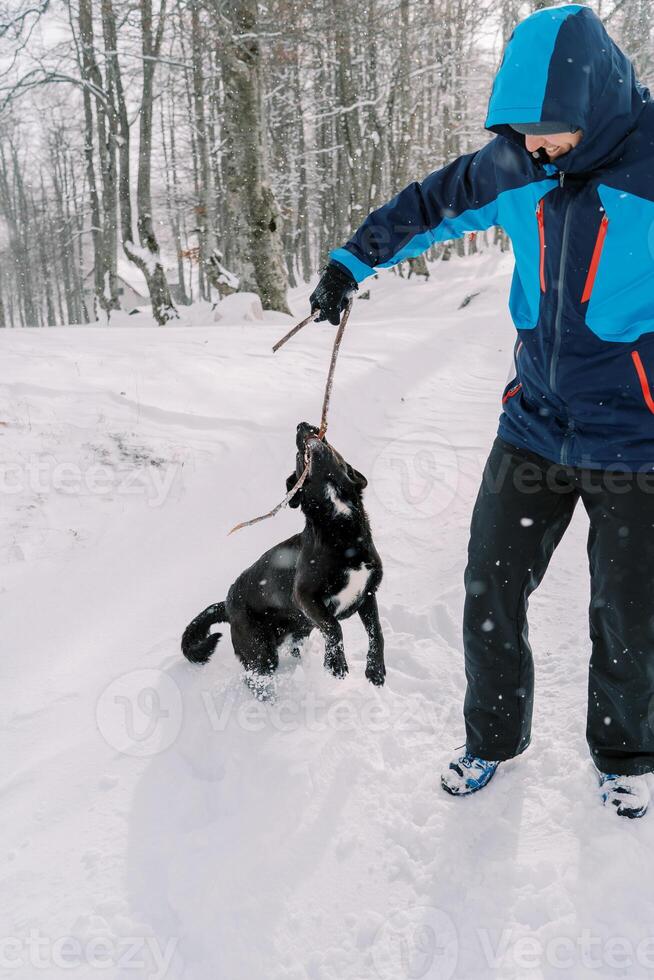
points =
(541, 240)
(594, 262)
(642, 377)
(516, 387)
(511, 392)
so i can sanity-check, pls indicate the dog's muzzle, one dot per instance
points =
(307, 438)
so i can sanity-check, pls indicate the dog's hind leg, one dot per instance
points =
(255, 647)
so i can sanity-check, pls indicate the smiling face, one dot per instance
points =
(554, 144)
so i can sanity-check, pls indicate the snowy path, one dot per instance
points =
(154, 813)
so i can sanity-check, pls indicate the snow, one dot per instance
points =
(149, 259)
(158, 821)
(132, 275)
(239, 306)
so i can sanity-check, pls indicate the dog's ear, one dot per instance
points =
(358, 479)
(290, 483)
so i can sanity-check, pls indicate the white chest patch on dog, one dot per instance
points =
(339, 505)
(356, 584)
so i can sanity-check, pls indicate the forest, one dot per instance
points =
(206, 146)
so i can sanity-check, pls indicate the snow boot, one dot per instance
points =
(628, 794)
(466, 774)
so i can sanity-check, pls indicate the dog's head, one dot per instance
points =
(331, 486)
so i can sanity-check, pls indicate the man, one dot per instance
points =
(570, 177)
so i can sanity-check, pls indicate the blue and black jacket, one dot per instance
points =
(582, 296)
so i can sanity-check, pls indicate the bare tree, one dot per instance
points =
(278, 126)
(255, 217)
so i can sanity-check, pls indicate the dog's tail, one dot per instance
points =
(197, 642)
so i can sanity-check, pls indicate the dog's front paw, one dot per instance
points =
(376, 674)
(336, 663)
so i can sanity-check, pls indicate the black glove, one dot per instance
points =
(332, 293)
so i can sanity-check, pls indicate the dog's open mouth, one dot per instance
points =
(312, 441)
(309, 444)
(308, 438)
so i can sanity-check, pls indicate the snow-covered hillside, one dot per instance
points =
(157, 821)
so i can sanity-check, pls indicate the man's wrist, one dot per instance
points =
(343, 272)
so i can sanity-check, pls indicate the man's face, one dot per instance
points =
(554, 144)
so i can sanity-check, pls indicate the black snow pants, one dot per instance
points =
(524, 506)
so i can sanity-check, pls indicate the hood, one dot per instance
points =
(560, 63)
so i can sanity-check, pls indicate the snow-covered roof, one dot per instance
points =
(132, 275)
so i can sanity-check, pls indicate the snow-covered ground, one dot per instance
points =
(157, 821)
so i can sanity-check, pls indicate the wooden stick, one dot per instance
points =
(278, 507)
(323, 420)
(296, 329)
(332, 368)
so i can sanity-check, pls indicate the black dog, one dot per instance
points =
(328, 572)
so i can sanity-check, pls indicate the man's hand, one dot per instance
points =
(332, 293)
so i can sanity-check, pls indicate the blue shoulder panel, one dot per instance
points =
(621, 306)
(517, 215)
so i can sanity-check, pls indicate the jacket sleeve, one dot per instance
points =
(461, 197)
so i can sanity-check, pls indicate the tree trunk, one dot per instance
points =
(208, 254)
(255, 216)
(62, 233)
(22, 230)
(147, 257)
(119, 120)
(3, 317)
(172, 202)
(46, 267)
(103, 211)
